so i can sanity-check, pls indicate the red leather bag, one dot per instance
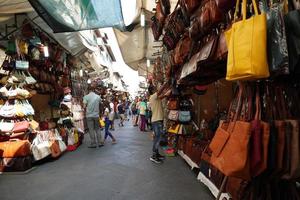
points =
(173, 104)
(15, 148)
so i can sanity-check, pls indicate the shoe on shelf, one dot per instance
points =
(160, 157)
(155, 160)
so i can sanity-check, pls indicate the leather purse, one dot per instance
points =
(55, 149)
(165, 7)
(185, 105)
(292, 25)
(204, 19)
(156, 28)
(222, 50)
(225, 5)
(280, 126)
(174, 129)
(188, 7)
(15, 148)
(159, 14)
(184, 116)
(21, 126)
(182, 50)
(173, 115)
(173, 104)
(294, 169)
(247, 46)
(230, 145)
(276, 39)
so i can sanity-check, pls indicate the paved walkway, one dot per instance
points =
(113, 172)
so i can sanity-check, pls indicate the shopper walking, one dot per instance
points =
(143, 108)
(91, 104)
(112, 115)
(157, 123)
(107, 124)
(121, 111)
(134, 109)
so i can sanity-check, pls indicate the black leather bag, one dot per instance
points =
(276, 39)
(292, 22)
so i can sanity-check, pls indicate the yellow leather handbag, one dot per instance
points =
(174, 129)
(247, 46)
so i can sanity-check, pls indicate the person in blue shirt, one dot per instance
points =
(107, 125)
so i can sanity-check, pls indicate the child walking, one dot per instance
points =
(107, 125)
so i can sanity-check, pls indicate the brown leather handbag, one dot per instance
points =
(188, 7)
(173, 104)
(294, 157)
(280, 126)
(225, 5)
(55, 150)
(204, 19)
(182, 49)
(230, 146)
(15, 148)
(165, 7)
(159, 14)
(222, 50)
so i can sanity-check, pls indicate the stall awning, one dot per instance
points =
(76, 15)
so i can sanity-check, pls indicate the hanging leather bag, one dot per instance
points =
(173, 115)
(165, 7)
(292, 25)
(276, 39)
(173, 104)
(204, 19)
(182, 49)
(230, 146)
(247, 46)
(188, 7)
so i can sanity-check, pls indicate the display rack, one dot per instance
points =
(188, 160)
(211, 186)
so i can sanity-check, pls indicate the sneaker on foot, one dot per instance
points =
(160, 157)
(114, 142)
(155, 160)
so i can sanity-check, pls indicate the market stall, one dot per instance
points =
(229, 75)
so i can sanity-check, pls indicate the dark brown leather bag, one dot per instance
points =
(165, 7)
(222, 50)
(189, 6)
(225, 5)
(207, 52)
(280, 126)
(159, 14)
(293, 159)
(204, 19)
(182, 49)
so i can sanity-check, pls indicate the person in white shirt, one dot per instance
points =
(91, 104)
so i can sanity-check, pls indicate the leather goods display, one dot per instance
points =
(15, 148)
(184, 116)
(6, 127)
(247, 46)
(17, 164)
(173, 115)
(205, 19)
